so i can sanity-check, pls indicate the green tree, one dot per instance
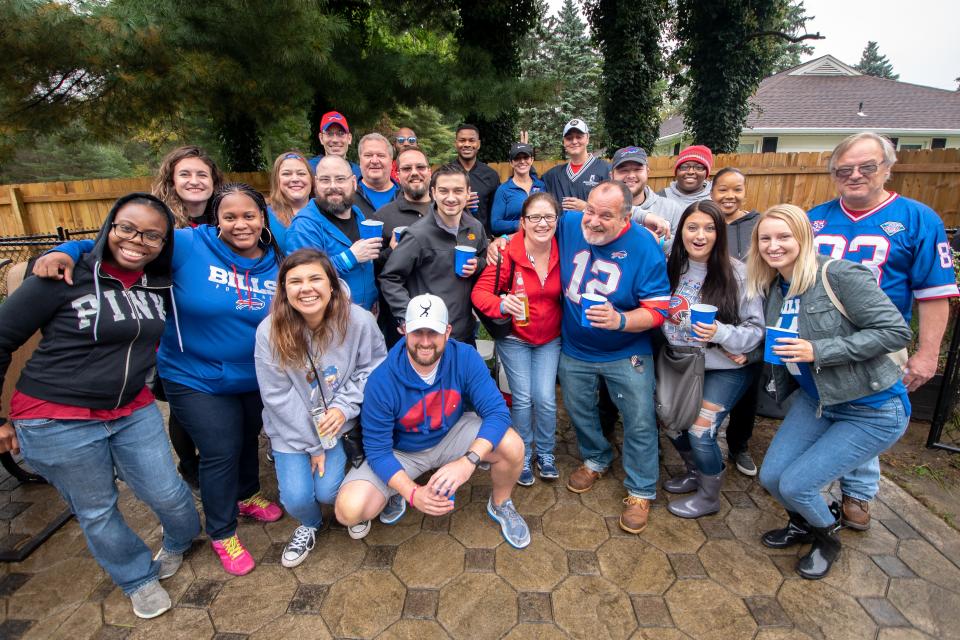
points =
(874, 63)
(629, 37)
(563, 70)
(787, 52)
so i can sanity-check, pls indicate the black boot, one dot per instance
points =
(797, 531)
(825, 550)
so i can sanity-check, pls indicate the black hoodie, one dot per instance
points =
(99, 341)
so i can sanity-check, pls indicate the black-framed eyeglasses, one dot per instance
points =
(405, 139)
(149, 238)
(865, 170)
(537, 219)
(692, 166)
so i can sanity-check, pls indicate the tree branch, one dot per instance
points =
(786, 36)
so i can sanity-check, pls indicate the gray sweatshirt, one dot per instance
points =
(669, 210)
(672, 193)
(736, 339)
(286, 392)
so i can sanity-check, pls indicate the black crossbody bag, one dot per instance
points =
(498, 328)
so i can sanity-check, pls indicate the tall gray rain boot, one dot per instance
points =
(688, 481)
(704, 502)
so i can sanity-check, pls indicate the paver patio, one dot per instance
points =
(453, 576)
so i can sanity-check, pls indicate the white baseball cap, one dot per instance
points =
(426, 311)
(577, 124)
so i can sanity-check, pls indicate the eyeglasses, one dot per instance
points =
(692, 166)
(537, 219)
(865, 170)
(409, 168)
(403, 139)
(326, 181)
(149, 238)
(335, 133)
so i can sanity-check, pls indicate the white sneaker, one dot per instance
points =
(299, 547)
(359, 530)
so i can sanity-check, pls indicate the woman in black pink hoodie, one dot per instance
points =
(82, 407)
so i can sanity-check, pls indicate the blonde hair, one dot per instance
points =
(282, 207)
(761, 275)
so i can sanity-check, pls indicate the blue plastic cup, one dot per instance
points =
(371, 229)
(705, 313)
(588, 300)
(397, 232)
(463, 253)
(770, 341)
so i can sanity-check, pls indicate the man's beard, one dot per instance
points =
(335, 207)
(415, 193)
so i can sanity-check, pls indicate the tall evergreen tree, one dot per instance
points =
(874, 63)
(629, 36)
(564, 70)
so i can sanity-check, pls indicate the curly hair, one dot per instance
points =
(164, 188)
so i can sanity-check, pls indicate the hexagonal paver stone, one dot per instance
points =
(671, 534)
(70, 581)
(472, 526)
(782, 634)
(635, 567)
(334, 556)
(705, 610)
(742, 568)
(290, 625)
(539, 567)
(176, 623)
(414, 630)
(398, 533)
(363, 604)
(748, 525)
(429, 560)
(462, 599)
(606, 496)
(659, 634)
(573, 526)
(871, 542)
(536, 499)
(592, 607)
(816, 606)
(854, 573)
(929, 564)
(927, 606)
(244, 605)
(534, 632)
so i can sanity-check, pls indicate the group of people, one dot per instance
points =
(339, 316)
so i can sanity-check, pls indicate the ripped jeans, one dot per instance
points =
(723, 388)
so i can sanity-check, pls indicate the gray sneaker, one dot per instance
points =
(745, 464)
(169, 563)
(299, 547)
(512, 524)
(150, 600)
(360, 530)
(396, 507)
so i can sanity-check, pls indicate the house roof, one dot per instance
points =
(827, 94)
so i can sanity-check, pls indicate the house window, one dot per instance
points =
(910, 147)
(894, 141)
(747, 147)
(938, 143)
(676, 149)
(770, 145)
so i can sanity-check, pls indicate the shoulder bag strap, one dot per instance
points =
(829, 289)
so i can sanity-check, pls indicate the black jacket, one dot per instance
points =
(362, 202)
(99, 341)
(484, 181)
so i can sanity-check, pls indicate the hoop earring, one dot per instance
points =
(219, 232)
(270, 234)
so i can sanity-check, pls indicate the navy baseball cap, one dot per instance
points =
(629, 154)
(520, 148)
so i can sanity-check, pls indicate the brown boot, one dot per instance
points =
(582, 479)
(856, 513)
(635, 514)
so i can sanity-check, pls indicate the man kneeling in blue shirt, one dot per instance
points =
(413, 421)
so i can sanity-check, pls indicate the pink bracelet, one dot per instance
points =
(412, 495)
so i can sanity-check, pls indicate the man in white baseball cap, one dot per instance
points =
(571, 183)
(413, 421)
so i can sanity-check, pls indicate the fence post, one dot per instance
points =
(19, 211)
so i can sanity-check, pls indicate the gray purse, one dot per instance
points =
(679, 391)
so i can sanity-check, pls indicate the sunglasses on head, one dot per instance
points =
(404, 139)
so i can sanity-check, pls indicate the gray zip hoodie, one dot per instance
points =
(739, 338)
(344, 368)
(672, 193)
(669, 210)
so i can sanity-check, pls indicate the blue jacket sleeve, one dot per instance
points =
(304, 232)
(377, 418)
(75, 248)
(498, 213)
(485, 398)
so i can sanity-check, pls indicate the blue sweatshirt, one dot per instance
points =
(401, 411)
(219, 299)
(507, 204)
(310, 228)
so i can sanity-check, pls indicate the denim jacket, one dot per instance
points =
(850, 360)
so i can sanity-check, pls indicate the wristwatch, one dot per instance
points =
(472, 457)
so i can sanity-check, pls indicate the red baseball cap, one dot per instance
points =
(333, 117)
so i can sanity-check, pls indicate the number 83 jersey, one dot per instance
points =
(901, 240)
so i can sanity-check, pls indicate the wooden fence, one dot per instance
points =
(930, 176)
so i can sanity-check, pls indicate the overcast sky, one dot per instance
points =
(921, 38)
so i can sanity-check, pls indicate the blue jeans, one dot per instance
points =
(532, 374)
(302, 491)
(862, 483)
(722, 387)
(78, 457)
(225, 430)
(631, 389)
(808, 453)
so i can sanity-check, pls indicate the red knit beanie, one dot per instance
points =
(696, 153)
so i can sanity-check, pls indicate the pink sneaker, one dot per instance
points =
(259, 508)
(233, 556)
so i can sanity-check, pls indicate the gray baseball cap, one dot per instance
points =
(629, 154)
